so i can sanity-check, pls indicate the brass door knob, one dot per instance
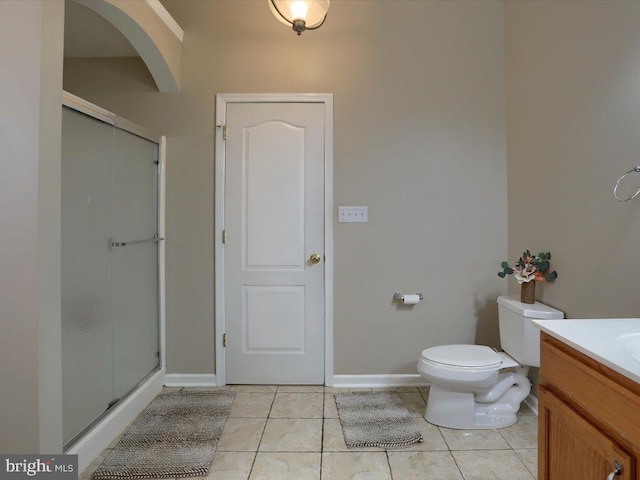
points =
(314, 258)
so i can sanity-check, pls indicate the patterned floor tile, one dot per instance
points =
(241, 434)
(524, 434)
(231, 466)
(297, 405)
(286, 466)
(256, 405)
(473, 439)
(292, 435)
(422, 465)
(491, 465)
(355, 466)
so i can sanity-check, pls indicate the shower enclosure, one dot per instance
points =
(111, 246)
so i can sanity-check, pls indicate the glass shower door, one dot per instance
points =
(87, 350)
(110, 281)
(134, 264)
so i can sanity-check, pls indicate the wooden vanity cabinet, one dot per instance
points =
(588, 417)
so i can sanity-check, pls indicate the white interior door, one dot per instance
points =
(274, 248)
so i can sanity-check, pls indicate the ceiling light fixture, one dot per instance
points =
(300, 15)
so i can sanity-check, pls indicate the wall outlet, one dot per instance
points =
(353, 214)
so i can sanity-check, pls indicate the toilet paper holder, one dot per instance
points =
(400, 296)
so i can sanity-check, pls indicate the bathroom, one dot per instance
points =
(471, 130)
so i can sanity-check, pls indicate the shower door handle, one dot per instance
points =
(155, 239)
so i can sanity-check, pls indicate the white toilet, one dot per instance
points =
(467, 390)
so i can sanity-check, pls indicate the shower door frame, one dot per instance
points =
(125, 411)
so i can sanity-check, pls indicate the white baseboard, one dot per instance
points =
(532, 402)
(112, 425)
(190, 380)
(378, 381)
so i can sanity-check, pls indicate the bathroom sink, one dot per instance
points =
(629, 344)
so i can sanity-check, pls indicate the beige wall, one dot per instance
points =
(419, 138)
(573, 117)
(30, 132)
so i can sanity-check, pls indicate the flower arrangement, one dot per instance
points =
(530, 268)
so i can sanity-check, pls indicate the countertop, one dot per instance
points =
(614, 342)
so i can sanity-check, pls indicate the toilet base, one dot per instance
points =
(450, 408)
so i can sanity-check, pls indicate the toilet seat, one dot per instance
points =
(476, 357)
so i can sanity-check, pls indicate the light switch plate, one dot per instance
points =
(353, 214)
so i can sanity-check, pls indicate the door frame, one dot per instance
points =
(222, 100)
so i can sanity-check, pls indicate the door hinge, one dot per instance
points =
(224, 131)
(224, 236)
(224, 339)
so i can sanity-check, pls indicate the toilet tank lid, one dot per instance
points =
(534, 310)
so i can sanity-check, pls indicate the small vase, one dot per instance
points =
(528, 292)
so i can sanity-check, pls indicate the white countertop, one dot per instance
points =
(615, 342)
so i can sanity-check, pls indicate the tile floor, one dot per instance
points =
(293, 433)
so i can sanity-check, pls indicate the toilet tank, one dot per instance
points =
(518, 336)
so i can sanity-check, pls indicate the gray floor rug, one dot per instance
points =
(375, 419)
(175, 436)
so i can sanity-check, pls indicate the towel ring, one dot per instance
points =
(615, 189)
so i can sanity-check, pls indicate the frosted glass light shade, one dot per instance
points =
(300, 14)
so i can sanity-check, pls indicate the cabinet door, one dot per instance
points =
(573, 448)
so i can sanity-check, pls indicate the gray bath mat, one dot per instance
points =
(175, 436)
(377, 419)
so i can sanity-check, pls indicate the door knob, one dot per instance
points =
(314, 258)
(617, 470)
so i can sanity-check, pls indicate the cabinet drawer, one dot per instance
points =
(608, 399)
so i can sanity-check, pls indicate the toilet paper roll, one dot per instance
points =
(410, 299)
